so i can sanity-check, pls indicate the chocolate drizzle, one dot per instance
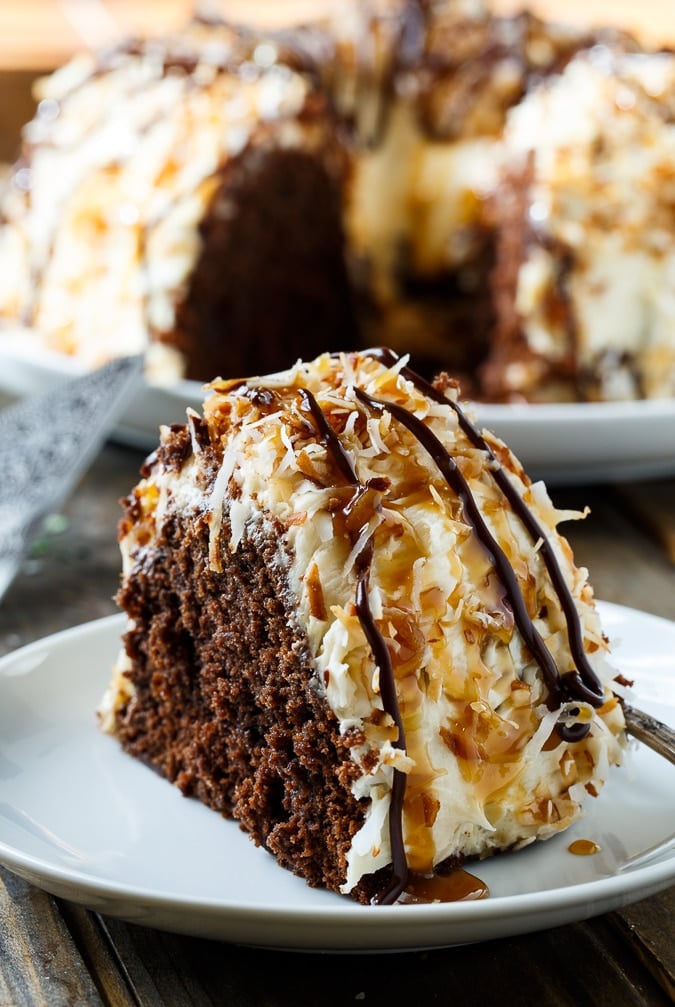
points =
(376, 641)
(329, 438)
(579, 684)
(454, 478)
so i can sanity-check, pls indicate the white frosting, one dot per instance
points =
(471, 699)
(417, 195)
(602, 141)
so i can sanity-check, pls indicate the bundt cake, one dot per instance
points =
(233, 200)
(354, 628)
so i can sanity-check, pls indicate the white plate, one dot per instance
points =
(588, 442)
(562, 443)
(84, 821)
(25, 372)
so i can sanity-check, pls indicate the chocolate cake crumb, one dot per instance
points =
(222, 705)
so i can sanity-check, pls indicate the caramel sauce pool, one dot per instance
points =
(459, 886)
(583, 847)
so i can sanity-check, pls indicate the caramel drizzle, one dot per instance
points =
(454, 478)
(376, 642)
(581, 683)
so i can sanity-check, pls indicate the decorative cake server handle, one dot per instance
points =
(650, 732)
(47, 441)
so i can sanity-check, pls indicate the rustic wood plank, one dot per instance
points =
(599, 963)
(648, 925)
(39, 962)
(16, 108)
(625, 566)
(72, 571)
(158, 972)
(590, 964)
(628, 568)
(98, 954)
(652, 505)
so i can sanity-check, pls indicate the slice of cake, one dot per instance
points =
(354, 628)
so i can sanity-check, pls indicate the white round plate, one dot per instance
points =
(588, 442)
(24, 371)
(561, 443)
(82, 820)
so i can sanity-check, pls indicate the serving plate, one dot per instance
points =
(588, 442)
(25, 371)
(86, 822)
(561, 443)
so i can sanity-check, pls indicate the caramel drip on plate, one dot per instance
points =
(458, 886)
(584, 847)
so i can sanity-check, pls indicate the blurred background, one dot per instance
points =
(38, 35)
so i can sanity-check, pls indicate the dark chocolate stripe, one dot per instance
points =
(454, 478)
(377, 644)
(390, 702)
(329, 438)
(582, 684)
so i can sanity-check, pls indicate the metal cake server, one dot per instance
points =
(650, 732)
(46, 443)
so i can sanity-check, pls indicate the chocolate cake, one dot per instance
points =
(229, 201)
(354, 628)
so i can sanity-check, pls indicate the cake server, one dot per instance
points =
(46, 443)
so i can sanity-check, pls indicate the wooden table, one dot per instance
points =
(55, 953)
